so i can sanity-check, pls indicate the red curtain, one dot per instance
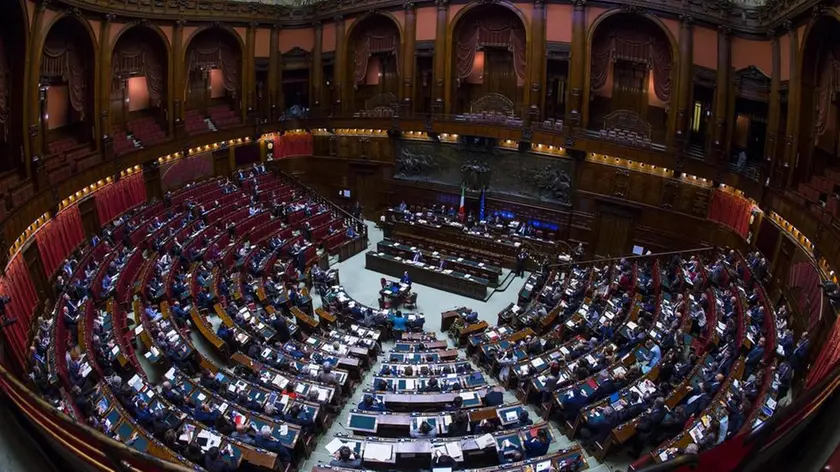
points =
(114, 199)
(57, 239)
(804, 280)
(15, 283)
(290, 145)
(731, 210)
(827, 358)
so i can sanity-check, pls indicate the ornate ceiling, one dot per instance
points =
(756, 18)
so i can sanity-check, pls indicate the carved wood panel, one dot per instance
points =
(621, 183)
(670, 194)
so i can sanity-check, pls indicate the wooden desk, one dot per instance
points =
(455, 282)
(467, 331)
(477, 269)
(449, 317)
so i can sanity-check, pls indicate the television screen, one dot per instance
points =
(638, 250)
(345, 193)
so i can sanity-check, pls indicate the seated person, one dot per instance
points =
(459, 424)
(265, 441)
(509, 453)
(524, 419)
(432, 385)
(345, 457)
(299, 416)
(424, 431)
(598, 427)
(537, 446)
(369, 403)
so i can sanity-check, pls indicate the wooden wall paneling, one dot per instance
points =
(620, 183)
(221, 162)
(151, 178)
(645, 188)
(90, 219)
(40, 279)
(670, 193)
(613, 232)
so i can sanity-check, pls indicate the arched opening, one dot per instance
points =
(818, 112)
(488, 63)
(12, 35)
(630, 79)
(138, 108)
(374, 48)
(66, 92)
(213, 66)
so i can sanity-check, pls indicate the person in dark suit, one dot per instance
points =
(265, 441)
(537, 446)
(459, 424)
(606, 386)
(737, 418)
(572, 405)
(369, 403)
(673, 423)
(598, 427)
(647, 427)
(346, 458)
(754, 357)
(697, 400)
(205, 415)
(635, 407)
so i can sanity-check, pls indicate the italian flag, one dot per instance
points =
(461, 208)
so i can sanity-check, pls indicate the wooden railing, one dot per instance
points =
(75, 439)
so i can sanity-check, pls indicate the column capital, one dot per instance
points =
(818, 10)
(724, 30)
(787, 25)
(441, 4)
(408, 6)
(579, 4)
(338, 18)
(180, 23)
(110, 17)
(317, 24)
(686, 20)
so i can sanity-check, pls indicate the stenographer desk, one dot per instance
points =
(469, 451)
(424, 274)
(476, 269)
(398, 425)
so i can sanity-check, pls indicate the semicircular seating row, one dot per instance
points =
(213, 250)
(654, 354)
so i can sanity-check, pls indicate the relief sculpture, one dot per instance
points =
(500, 172)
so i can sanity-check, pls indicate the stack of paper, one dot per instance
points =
(378, 452)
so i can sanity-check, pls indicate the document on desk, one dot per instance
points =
(485, 441)
(334, 445)
(378, 452)
(453, 450)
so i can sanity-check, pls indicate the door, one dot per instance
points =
(613, 231)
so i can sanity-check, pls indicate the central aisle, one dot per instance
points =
(363, 285)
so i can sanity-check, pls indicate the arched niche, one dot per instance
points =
(373, 65)
(139, 79)
(489, 55)
(630, 76)
(818, 103)
(12, 60)
(212, 74)
(66, 90)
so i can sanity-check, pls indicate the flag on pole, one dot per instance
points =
(461, 209)
(481, 207)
